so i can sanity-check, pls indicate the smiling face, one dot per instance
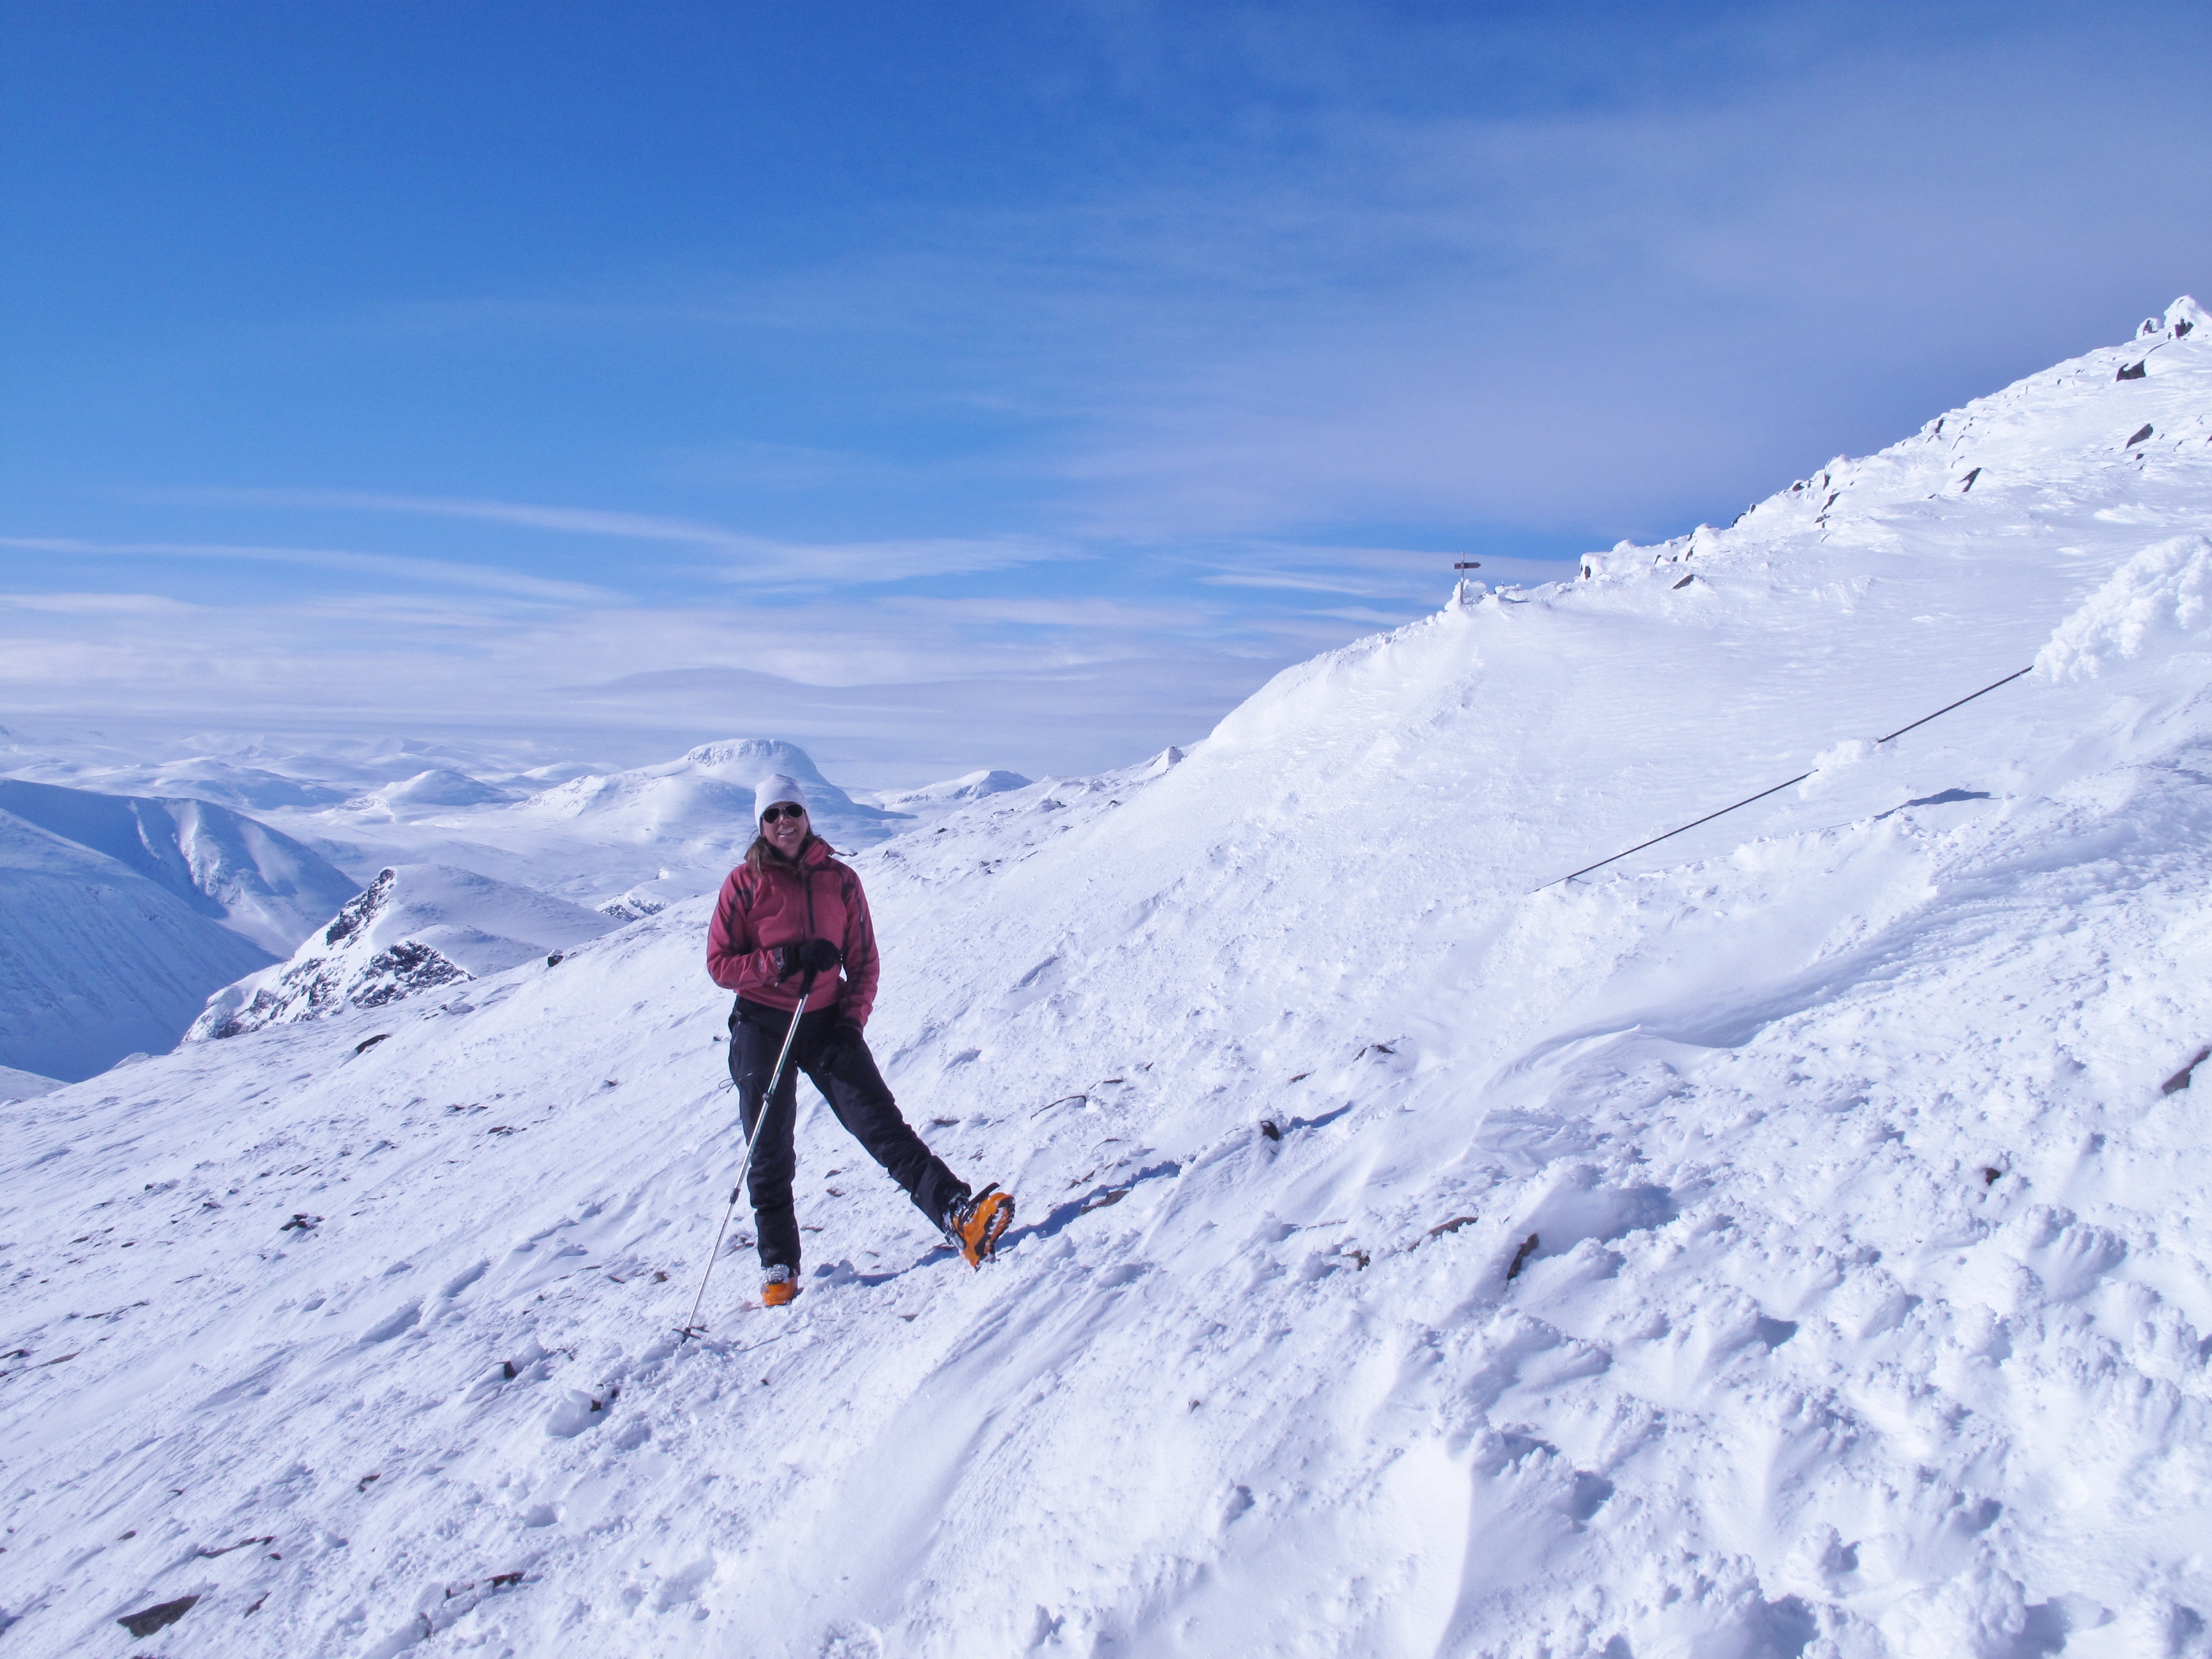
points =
(785, 826)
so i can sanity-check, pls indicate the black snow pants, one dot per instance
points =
(845, 1072)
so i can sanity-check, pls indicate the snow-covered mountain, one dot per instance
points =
(951, 792)
(416, 927)
(436, 790)
(1785, 1241)
(119, 916)
(705, 798)
(253, 880)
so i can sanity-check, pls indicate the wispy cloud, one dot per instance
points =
(388, 566)
(742, 556)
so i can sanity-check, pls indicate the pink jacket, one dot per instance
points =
(816, 897)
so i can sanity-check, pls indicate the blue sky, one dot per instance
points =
(978, 385)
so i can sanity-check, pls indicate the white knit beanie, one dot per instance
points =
(771, 790)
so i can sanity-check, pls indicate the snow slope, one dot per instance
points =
(416, 927)
(1789, 1240)
(119, 916)
(24, 1085)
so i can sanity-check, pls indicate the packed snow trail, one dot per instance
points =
(1868, 1311)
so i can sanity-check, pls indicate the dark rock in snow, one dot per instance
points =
(1966, 484)
(1685, 582)
(2134, 371)
(1451, 1226)
(367, 1043)
(2179, 1080)
(2142, 433)
(1268, 1129)
(147, 1620)
(1521, 1257)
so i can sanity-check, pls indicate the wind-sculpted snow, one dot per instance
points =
(2161, 596)
(415, 929)
(1789, 1242)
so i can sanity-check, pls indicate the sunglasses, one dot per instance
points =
(776, 812)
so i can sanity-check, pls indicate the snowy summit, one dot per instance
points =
(1785, 1240)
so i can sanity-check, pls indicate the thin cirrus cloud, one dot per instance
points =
(739, 556)
(387, 568)
(1606, 321)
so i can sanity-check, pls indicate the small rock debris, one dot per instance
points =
(1686, 580)
(207, 1555)
(1521, 1258)
(367, 1043)
(2142, 433)
(1991, 1174)
(302, 1221)
(2134, 371)
(1451, 1226)
(1267, 1128)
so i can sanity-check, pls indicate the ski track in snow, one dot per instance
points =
(1867, 1311)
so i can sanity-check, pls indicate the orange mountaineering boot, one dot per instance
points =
(977, 1224)
(780, 1286)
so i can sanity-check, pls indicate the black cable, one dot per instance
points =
(1800, 778)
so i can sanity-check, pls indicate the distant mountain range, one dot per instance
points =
(125, 919)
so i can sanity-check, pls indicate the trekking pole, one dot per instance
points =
(691, 1326)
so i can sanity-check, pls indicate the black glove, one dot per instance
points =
(812, 956)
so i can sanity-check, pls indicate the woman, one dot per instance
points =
(789, 919)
